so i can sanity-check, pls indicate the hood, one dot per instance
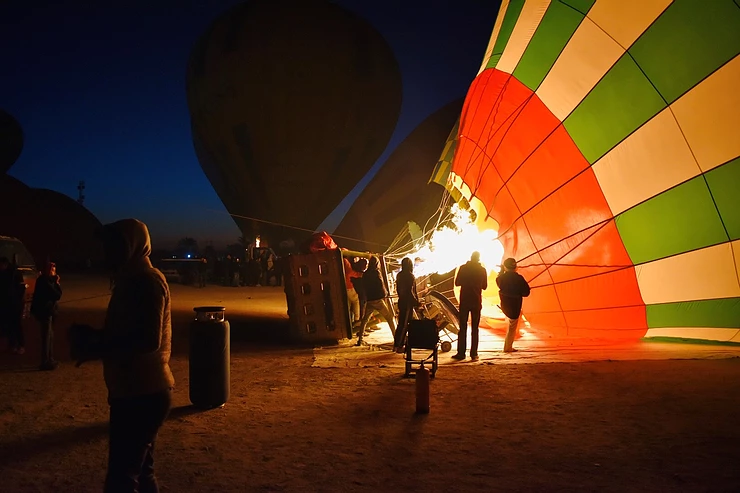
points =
(373, 263)
(127, 244)
(407, 265)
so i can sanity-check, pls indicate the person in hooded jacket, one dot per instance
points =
(512, 288)
(408, 299)
(135, 349)
(44, 305)
(377, 298)
(472, 279)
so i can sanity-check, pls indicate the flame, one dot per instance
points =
(449, 247)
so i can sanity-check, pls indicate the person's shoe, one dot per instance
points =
(358, 343)
(512, 350)
(458, 356)
(49, 366)
(474, 357)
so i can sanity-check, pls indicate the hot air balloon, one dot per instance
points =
(400, 191)
(600, 139)
(291, 102)
(11, 141)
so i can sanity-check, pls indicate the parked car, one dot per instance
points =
(14, 250)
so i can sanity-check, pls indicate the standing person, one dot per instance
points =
(202, 272)
(377, 298)
(135, 350)
(512, 288)
(408, 299)
(360, 267)
(353, 300)
(472, 279)
(44, 306)
(12, 293)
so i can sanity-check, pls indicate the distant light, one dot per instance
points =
(257, 242)
(188, 255)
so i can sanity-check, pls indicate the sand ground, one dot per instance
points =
(557, 417)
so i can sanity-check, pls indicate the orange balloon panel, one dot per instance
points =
(518, 160)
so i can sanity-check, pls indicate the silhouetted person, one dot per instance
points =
(408, 299)
(512, 288)
(202, 272)
(377, 298)
(360, 266)
(472, 279)
(135, 349)
(44, 305)
(12, 293)
(353, 300)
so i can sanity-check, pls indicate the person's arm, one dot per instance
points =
(484, 284)
(524, 287)
(458, 280)
(55, 290)
(147, 301)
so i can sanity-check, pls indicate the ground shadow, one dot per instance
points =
(23, 449)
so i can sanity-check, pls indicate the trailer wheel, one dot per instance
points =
(446, 346)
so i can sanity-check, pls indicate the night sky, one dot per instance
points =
(99, 88)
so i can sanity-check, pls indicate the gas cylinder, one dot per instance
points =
(422, 390)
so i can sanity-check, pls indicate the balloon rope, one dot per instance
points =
(298, 228)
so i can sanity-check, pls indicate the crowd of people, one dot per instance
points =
(367, 295)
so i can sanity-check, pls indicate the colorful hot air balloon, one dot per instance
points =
(602, 138)
(292, 102)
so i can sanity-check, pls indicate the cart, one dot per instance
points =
(423, 335)
(435, 306)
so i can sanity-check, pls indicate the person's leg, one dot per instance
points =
(404, 315)
(510, 333)
(147, 478)
(387, 313)
(462, 335)
(354, 306)
(369, 308)
(16, 338)
(474, 333)
(134, 423)
(45, 329)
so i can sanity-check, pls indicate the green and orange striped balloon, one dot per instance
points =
(603, 138)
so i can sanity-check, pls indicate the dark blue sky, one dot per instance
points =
(99, 88)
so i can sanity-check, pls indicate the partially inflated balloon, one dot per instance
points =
(602, 137)
(400, 191)
(292, 102)
(11, 141)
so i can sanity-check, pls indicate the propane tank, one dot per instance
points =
(422, 390)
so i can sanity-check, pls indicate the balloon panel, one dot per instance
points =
(610, 199)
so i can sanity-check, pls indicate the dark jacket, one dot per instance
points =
(512, 287)
(472, 279)
(47, 293)
(137, 332)
(372, 279)
(406, 288)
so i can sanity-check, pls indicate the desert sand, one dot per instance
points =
(552, 417)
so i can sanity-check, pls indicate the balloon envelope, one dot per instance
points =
(602, 138)
(11, 141)
(400, 191)
(291, 103)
